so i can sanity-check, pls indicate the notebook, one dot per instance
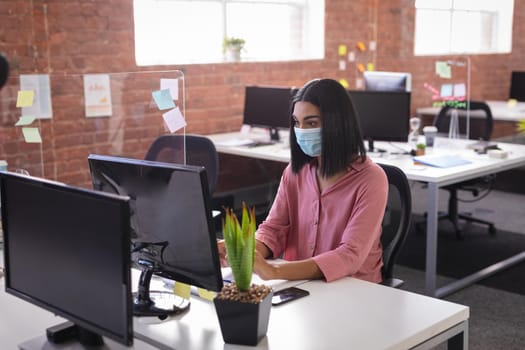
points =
(442, 161)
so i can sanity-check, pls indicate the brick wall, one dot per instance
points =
(78, 37)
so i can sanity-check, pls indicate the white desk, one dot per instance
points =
(434, 177)
(345, 314)
(23, 322)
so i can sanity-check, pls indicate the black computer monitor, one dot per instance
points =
(387, 81)
(173, 233)
(268, 107)
(382, 115)
(517, 86)
(66, 250)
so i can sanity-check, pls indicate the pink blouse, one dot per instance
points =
(340, 227)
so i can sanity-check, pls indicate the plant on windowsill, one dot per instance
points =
(243, 308)
(232, 48)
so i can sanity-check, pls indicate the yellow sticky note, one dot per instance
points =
(25, 98)
(443, 69)
(206, 294)
(344, 82)
(25, 120)
(341, 50)
(369, 66)
(32, 135)
(182, 290)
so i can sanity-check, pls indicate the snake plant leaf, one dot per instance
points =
(240, 245)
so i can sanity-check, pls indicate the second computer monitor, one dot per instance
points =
(268, 107)
(517, 86)
(387, 81)
(382, 115)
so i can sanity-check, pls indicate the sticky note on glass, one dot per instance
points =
(32, 135)
(370, 66)
(341, 50)
(446, 90)
(360, 67)
(344, 82)
(460, 90)
(174, 120)
(25, 120)
(342, 65)
(206, 294)
(163, 99)
(361, 46)
(172, 85)
(25, 98)
(443, 69)
(182, 290)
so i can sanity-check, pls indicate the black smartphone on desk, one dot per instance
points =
(288, 294)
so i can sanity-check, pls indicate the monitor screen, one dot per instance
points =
(517, 86)
(67, 250)
(387, 81)
(172, 228)
(268, 107)
(382, 115)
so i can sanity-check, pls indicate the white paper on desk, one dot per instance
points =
(227, 276)
(235, 142)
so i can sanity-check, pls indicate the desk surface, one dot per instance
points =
(348, 313)
(501, 110)
(480, 164)
(344, 314)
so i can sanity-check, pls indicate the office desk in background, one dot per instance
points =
(435, 178)
(505, 116)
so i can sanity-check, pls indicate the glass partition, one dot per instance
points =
(50, 123)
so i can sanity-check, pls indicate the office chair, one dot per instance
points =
(480, 129)
(396, 222)
(200, 151)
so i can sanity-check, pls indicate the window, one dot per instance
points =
(463, 27)
(188, 31)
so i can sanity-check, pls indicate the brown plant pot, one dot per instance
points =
(243, 323)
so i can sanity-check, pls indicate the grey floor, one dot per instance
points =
(497, 318)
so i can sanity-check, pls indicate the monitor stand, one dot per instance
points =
(371, 146)
(156, 303)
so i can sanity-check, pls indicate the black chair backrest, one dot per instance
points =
(480, 129)
(396, 222)
(200, 151)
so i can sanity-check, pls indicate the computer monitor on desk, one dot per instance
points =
(387, 81)
(172, 229)
(67, 251)
(517, 86)
(268, 107)
(382, 115)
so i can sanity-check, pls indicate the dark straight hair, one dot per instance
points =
(342, 141)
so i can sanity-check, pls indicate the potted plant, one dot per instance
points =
(232, 47)
(420, 149)
(243, 309)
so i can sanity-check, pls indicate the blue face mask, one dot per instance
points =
(309, 140)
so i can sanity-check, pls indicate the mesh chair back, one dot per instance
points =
(200, 151)
(480, 128)
(396, 222)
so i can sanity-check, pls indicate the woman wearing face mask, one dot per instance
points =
(326, 218)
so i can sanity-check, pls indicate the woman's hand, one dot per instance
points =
(263, 268)
(222, 252)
